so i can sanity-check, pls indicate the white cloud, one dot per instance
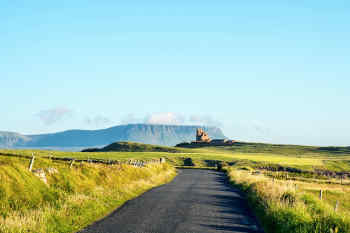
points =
(171, 118)
(167, 118)
(54, 115)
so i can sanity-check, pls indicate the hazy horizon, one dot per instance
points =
(271, 71)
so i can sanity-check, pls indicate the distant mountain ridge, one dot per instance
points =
(167, 135)
(10, 139)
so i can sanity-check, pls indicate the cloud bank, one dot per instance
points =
(171, 118)
(168, 118)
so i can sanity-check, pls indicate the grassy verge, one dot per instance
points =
(72, 198)
(287, 206)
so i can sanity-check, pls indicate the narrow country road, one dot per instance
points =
(196, 201)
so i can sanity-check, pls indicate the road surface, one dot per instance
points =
(196, 201)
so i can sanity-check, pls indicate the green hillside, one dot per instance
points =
(134, 147)
(285, 149)
(295, 150)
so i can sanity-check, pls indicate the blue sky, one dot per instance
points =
(269, 71)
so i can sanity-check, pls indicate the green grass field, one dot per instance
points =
(302, 157)
(267, 192)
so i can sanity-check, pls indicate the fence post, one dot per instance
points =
(341, 179)
(31, 163)
(336, 206)
(162, 160)
(321, 194)
(71, 163)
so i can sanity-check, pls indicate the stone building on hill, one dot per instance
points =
(203, 140)
(202, 136)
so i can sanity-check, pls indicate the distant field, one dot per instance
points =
(301, 157)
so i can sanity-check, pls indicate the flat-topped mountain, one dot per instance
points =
(167, 135)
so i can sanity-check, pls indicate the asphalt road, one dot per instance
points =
(196, 201)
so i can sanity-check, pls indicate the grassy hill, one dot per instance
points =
(247, 147)
(285, 149)
(134, 147)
